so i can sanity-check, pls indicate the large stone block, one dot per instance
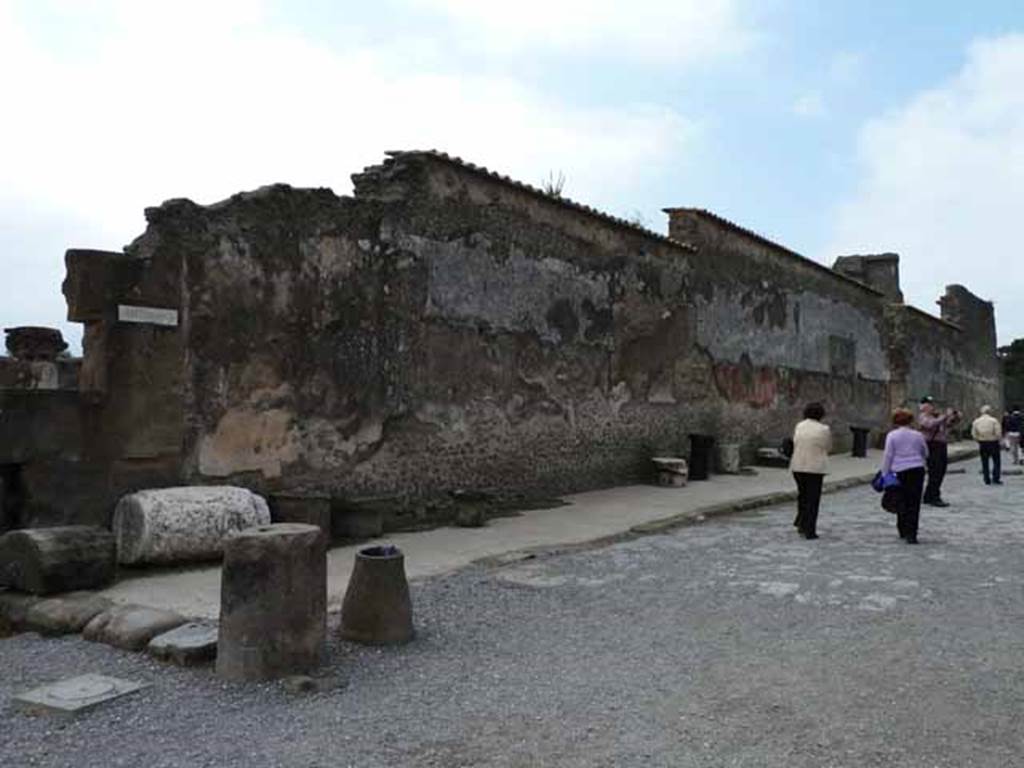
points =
(65, 614)
(273, 610)
(308, 509)
(181, 524)
(62, 559)
(359, 519)
(189, 644)
(130, 627)
(729, 459)
(96, 280)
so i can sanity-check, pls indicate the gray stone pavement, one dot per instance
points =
(730, 642)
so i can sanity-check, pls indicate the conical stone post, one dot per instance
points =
(377, 609)
(273, 605)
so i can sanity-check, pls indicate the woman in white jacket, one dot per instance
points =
(812, 442)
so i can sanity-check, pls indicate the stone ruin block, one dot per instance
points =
(62, 559)
(772, 457)
(672, 471)
(35, 344)
(273, 610)
(76, 694)
(729, 459)
(308, 509)
(96, 280)
(187, 645)
(65, 614)
(361, 519)
(130, 627)
(183, 524)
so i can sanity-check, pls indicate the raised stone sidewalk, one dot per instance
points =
(587, 518)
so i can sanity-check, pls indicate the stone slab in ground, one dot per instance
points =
(131, 627)
(65, 614)
(187, 645)
(76, 694)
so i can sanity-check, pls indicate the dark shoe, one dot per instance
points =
(997, 482)
(988, 482)
(911, 539)
(937, 503)
(810, 535)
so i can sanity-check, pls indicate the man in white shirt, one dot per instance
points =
(988, 432)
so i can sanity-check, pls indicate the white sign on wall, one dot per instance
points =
(151, 315)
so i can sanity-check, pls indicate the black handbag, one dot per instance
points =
(892, 499)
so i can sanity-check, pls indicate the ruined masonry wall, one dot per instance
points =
(444, 329)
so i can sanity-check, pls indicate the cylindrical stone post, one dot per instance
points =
(377, 609)
(273, 602)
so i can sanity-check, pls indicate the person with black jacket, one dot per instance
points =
(935, 428)
(1013, 425)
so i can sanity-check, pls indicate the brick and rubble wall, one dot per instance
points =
(41, 434)
(446, 329)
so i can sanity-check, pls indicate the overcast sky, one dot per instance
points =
(834, 128)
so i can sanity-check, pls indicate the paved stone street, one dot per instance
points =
(727, 643)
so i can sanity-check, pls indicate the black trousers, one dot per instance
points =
(938, 460)
(808, 486)
(990, 453)
(911, 483)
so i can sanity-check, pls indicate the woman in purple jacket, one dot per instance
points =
(906, 454)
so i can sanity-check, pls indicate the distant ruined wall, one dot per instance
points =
(806, 333)
(447, 329)
(880, 270)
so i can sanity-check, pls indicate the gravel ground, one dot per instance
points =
(729, 643)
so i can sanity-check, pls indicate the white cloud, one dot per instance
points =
(846, 68)
(810, 105)
(844, 72)
(677, 30)
(942, 183)
(162, 103)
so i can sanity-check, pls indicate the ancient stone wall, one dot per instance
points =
(448, 329)
(41, 432)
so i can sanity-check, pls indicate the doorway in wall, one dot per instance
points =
(12, 497)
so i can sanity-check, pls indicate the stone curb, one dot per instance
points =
(126, 627)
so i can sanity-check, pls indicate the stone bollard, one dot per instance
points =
(62, 559)
(273, 602)
(377, 609)
(729, 459)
